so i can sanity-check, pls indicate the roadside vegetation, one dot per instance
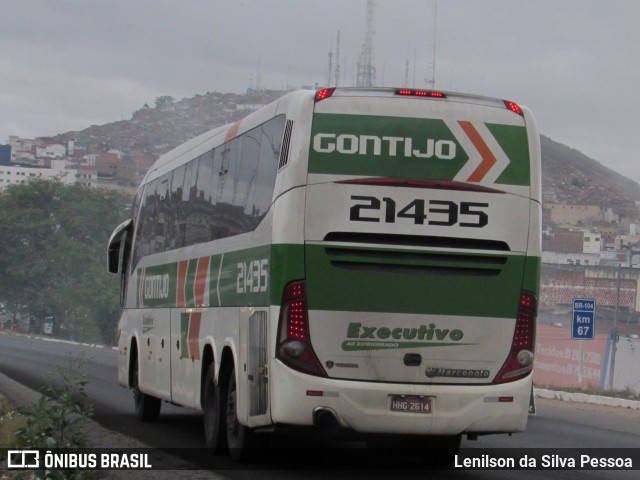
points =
(53, 242)
(10, 421)
(56, 420)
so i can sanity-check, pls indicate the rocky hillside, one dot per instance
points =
(569, 176)
(156, 130)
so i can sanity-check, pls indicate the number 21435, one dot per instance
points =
(434, 212)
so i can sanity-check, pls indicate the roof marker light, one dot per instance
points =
(409, 92)
(514, 107)
(324, 93)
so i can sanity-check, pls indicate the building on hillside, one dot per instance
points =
(22, 149)
(627, 241)
(571, 258)
(564, 241)
(107, 164)
(51, 151)
(13, 175)
(5, 155)
(608, 234)
(560, 214)
(591, 243)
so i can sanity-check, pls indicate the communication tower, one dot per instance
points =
(337, 71)
(330, 72)
(366, 75)
(430, 80)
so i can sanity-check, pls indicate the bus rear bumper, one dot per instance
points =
(366, 407)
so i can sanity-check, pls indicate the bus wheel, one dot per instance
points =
(147, 406)
(240, 439)
(213, 413)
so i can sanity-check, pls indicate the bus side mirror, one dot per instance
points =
(113, 258)
(113, 251)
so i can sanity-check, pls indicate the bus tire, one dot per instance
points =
(214, 413)
(240, 439)
(147, 406)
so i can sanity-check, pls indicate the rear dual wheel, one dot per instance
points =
(214, 414)
(242, 441)
(221, 425)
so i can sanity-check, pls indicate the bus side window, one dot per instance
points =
(183, 205)
(163, 217)
(223, 192)
(203, 203)
(248, 173)
(270, 146)
(174, 232)
(144, 228)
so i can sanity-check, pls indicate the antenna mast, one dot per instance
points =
(337, 71)
(330, 72)
(431, 68)
(406, 74)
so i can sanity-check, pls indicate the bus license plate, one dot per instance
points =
(410, 404)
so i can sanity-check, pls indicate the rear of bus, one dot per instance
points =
(416, 313)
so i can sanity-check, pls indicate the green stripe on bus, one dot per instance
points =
(244, 279)
(437, 289)
(287, 265)
(445, 285)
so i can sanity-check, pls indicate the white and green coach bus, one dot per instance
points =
(363, 259)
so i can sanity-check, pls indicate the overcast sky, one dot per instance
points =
(65, 65)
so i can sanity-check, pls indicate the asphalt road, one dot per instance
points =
(557, 425)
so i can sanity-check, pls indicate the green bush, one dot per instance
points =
(58, 418)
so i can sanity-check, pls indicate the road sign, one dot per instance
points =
(584, 319)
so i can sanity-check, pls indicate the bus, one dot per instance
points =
(353, 260)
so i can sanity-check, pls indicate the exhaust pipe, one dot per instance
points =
(325, 417)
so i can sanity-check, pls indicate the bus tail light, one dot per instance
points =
(294, 343)
(520, 360)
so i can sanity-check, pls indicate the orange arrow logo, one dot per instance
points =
(488, 158)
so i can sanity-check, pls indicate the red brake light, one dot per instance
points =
(514, 107)
(519, 363)
(410, 92)
(294, 343)
(324, 93)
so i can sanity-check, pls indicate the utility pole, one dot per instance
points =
(614, 330)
